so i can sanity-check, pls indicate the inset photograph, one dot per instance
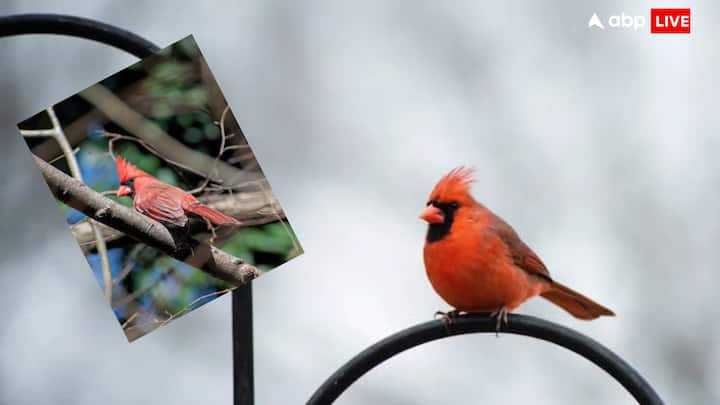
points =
(160, 188)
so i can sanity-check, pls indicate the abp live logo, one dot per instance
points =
(670, 20)
(662, 21)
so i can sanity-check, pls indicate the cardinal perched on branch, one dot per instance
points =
(477, 263)
(162, 202)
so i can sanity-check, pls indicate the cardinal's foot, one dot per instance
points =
(184, 250)
(447, 317)
(501, 315)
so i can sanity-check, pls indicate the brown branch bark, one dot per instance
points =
(205, 257)
(251, 208)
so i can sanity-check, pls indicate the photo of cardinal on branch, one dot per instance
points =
(160, 188)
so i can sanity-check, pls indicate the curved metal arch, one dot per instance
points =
(524, 325)
(59, 24)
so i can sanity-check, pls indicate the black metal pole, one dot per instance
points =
(243, 391)
(417, 335)
(58, 24)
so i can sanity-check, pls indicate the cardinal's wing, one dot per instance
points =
(521, 254)
(161, 203)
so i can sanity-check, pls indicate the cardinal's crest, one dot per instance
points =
(126, 170)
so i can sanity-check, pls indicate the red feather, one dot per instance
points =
(163, 202)
(215, 216)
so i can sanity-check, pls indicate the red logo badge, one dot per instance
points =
(670, 20)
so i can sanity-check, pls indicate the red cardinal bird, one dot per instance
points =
(162, 202)
(477, 263)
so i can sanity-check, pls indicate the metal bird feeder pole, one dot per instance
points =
(525, 325)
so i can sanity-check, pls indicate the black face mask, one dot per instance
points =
(130, 183)
(438, 231)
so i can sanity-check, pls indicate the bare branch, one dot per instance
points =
(251, 208)
(32, 133)
(75, 170)
(205, 257)
(83, 233)
(63, 156)
(296, 245)
(233, 147)
(173, 150)
(223, 138)
(130, 263)
(56, 132)
(122, 302)
(157, 322)
(132, 318)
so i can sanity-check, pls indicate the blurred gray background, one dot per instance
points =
(601, 148)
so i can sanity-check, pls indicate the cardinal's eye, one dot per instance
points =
(453, 205)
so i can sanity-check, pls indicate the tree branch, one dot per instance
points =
(57, 133)
(249, 207)
(208, 258)
(173, 150)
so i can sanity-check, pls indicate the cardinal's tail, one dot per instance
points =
(215, 216)
(575, 303)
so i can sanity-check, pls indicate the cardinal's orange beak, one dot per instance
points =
(123, 191)
(432, 215)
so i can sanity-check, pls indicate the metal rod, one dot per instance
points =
(244, 390)
(417, 335)
(59, 24)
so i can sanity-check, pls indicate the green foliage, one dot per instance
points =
(130, 152)
(270, 239)
(126, 201)
(212, 132)
(167, 175)
(193, 135)
(174, 85)
(169, 73)
(186, 47)
(149, 163)
(185, 119)
(196, 97)
(161, 109)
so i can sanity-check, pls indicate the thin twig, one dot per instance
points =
(127, 268)
(75, 151)
(41, 133)
(276, 212)
(167, 271)
(118, 111)
(180, 312)
(75, 170)
(195, 301)
(233, 147)
(212, 231)
(213, 169)
(57, 133)
(132, 317)
(115, 136)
